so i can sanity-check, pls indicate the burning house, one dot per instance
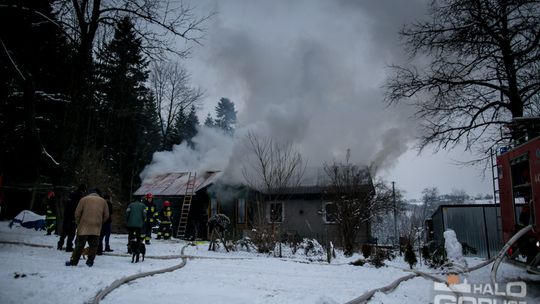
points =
(173, 187)
(300, 212)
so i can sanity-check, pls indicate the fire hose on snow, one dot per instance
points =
(500, 256)
(431, 276)
(102, 293)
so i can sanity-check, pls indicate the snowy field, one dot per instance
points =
(37, 275)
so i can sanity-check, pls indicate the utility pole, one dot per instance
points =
(395, 214)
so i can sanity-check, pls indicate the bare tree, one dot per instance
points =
(382, 224)
(274, 170)
(459, 196)
(430, 202)
(158, 23)
(170, 84)
(483, 67)
(357, 199)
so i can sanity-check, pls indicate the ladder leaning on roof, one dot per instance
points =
(186, 205)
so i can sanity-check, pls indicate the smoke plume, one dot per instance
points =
(306, 72)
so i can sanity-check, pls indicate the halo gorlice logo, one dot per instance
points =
(454, 292)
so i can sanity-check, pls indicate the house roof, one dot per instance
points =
(175, 183)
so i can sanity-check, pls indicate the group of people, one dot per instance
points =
(142, 217)
(69, 226)
(88, 216)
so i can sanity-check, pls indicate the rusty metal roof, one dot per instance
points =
(175, 183)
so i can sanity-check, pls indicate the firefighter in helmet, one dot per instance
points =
(165, 224)
(151, 218)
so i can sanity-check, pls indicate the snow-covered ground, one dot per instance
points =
(38, 275)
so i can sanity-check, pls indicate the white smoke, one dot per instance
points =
(211, 152)
(307, 72)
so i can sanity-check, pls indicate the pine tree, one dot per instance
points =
(148, 138)
(128, 112)
(34, 68)
(174, 137)
(209, 121)
(225, 115)
(185, 128)
(410, 256)
(192, 123)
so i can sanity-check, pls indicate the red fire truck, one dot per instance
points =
(518, 168)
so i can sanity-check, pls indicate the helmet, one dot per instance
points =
(149, 195)
(166, 204)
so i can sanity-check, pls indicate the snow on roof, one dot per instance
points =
(175, 183)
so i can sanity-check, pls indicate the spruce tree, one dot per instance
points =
(225, 115)
(410, 255)
(174, 137)
(34, 68)
(209, 121)
(128, 114)
(185, 128)
(192, 123)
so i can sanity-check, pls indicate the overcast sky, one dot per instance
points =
(312, 72)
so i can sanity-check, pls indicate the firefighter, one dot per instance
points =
(50, 214)
(165, 222)
(151, 218)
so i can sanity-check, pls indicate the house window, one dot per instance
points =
(276, 212)
(330, 212)
(213, 206)
(241, 211)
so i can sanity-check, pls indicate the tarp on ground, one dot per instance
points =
(29, 219)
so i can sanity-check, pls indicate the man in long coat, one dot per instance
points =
(90, 214)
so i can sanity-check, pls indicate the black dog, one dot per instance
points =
(137, 249)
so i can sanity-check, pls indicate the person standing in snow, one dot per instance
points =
(135, 221)
(69, 226)
(106, 228)
(165, 222)
(151, 217)
(90, 214)
(50, 213)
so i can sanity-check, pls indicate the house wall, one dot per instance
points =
(306, 218)
(303, 216)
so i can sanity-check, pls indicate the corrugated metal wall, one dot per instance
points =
(475, 225)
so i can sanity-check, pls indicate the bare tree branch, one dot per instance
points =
(274, 168)
(174, 96)
(483, 70)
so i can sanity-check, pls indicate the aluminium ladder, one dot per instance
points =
(186, 205)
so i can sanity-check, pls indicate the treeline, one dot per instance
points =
(88, 92)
